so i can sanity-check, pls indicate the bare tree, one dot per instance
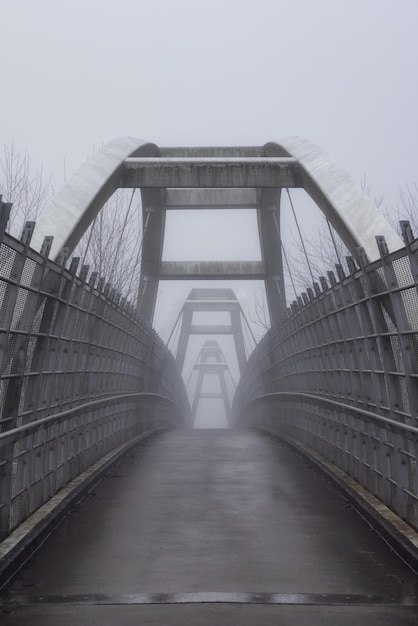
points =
(25, 187)
(407, 209)
(259, 316)
(113, 243)
(312, 255)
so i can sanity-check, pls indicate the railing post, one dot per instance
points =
(5, 208)
(406, 336)
(15, 362)
(57, 330)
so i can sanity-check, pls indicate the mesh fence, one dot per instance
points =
(340, 374)
(80, 374)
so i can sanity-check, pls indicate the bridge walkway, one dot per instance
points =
(205, 527)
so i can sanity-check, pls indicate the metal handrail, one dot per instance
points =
(11, 435)
(341, 405)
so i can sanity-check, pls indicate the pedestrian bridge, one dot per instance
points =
(306, 509)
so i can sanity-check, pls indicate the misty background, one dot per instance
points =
(75, 75)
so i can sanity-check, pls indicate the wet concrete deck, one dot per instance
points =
(213, 527)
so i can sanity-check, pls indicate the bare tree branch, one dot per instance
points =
(260, 316)
(112, 244)
(27, 189)
(324, 249)
(407, 209)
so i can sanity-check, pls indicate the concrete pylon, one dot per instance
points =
(211, 362)
(153, 226)
(210, 300)
(196, 178)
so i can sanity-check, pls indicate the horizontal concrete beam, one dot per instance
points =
(211, 330)
(211, 198)
(207, 305)
(211, 368)
(211, 293)
(212, 151)
(204, 270)
(210, 172)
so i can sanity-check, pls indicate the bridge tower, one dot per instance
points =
(218, 178)
(211, 301)
(211, 363)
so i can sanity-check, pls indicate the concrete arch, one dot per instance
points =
(75, 206)
(355, 218)
(294, 162)
(353, 215)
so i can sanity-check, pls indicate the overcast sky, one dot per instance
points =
(341, 73)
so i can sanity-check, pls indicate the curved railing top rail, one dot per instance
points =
(81, 373)
(393, 425)
(339, 374)
(14, 434)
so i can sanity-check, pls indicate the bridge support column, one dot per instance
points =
(268, 215)
(153, 220)
(209, 301)
(211, 362)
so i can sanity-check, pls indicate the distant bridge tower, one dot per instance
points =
(209, 301)
(211, 363)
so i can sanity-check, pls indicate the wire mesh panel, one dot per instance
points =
(80, 374)
(340, 374)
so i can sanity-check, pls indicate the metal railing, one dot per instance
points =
(340, 374)
(80, 374)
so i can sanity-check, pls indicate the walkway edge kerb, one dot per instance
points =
(27, 538)
(399, 535)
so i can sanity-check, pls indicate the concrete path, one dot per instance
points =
(213, 527)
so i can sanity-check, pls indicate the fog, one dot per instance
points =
(225, 72)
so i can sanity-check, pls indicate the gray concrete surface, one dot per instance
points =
(212, 511)
(212, 615)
